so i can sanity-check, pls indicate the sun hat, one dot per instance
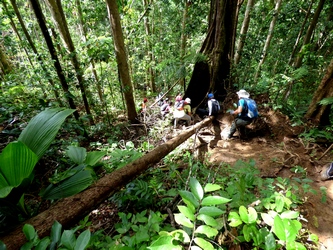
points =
(188, 100)
(243, 94)
(210, 95)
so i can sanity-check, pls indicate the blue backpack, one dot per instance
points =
(252, 110)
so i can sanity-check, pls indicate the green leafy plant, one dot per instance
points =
(200, 219)
(57, 240)
(74, 179)
(18, 160)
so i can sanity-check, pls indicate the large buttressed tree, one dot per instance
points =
(212, 71)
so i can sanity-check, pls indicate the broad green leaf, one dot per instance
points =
(83, 240)
(253, 216)
(211, 211)
(234, 219)
(94, 157)
(182, 220)
(17, 163)
(214, 200)
(279, 229)
(314, 238)
(180, 235)
(268, 219)
(56, 232)
(293, 245)
(77, 154)
(189, 199)
(270, 243)
(210, 221)
(29, 232)
(207, 230)
(187, 212)
(292, 227)
(250, 232)
(196, 188)
(203, 244)
(243, 214)
(211, 187)
(279, 201)
(42, 129)
(73, 185)
(68, 239)
(43, 244)
(289, 215)
(164, 243)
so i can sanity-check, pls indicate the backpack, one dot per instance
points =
(215, 107)
(252, 110)
(179, 105)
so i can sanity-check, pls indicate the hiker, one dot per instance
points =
(179, 100)
(213, 107)
(243, 116)
(143, 107)
(183, 112)
(165, 108)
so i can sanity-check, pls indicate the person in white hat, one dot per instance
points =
(242, 118)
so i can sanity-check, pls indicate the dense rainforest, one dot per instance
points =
(81, 167)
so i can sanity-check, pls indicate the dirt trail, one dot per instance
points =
(276, 148)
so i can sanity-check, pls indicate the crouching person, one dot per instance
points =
(183, 112)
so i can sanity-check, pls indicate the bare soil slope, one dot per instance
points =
(276, 148)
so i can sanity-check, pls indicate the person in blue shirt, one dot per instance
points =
(241, 119)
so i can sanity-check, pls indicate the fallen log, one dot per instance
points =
(69, 210)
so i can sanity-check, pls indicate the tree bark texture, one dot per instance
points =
(41, 21)
(319, 114)
(243, 32)
(121, 56)
(70, 210)
(269, 38)
(6, 64)
(149, 50)
(212, 73)
(33, 47)
(59, 18)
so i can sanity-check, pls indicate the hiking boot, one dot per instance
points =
(328, 173)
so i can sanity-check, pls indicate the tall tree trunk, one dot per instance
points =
(213, 74)
(6, 65)
(61, 23)
(300, 34)
(149, 51)
(324, 35)
(41, 21)
(319, 114)
(23, 47)
(309, 32)
(269, 38)
(33, 47)
(121, 56)
(243, 32)
(92, 63)
(183, 40)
